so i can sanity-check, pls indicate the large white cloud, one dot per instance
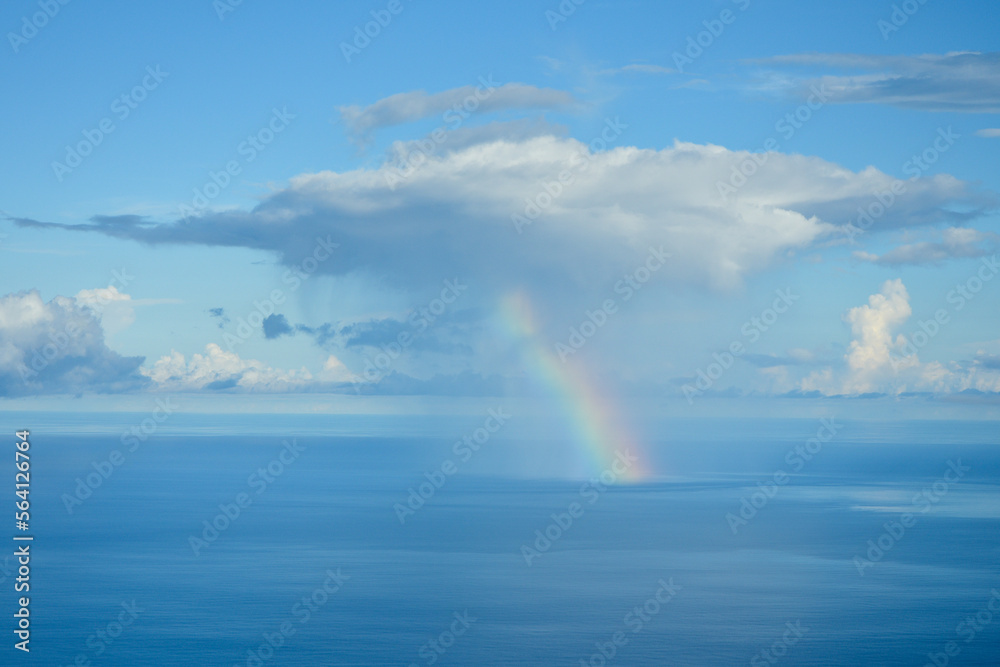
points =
(499, 210)
(58, 347)
(461, 212)
(557, 217)
(878, 359)
(873, 350)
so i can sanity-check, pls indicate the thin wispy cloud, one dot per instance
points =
(964, 82)
(956, 243)
(488, 96)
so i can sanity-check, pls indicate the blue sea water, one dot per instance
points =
(398, 587)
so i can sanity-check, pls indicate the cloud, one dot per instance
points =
(989, 133)
(447, 335)
(218, 370)
(872, 326)
(463, 209)
(275, 326)
(882, 361)
(956, 243)
(991, 361)
(964, 82)
(112, 307)
(58, 347)
(404, 153)
(219, 314)
(373, 333)
(452, 105)
(335, 371)
(99, 298)
(325, 334)
(875, 357)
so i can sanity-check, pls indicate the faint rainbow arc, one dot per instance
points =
(595, 421)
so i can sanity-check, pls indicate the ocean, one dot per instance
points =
(369, 540)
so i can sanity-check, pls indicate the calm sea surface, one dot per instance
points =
(318, 549)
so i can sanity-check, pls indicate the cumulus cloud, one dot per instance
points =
(876, 360)
(869, 354)
(218, 370)
(464, 209)
(113, 307)
(956, 243)
(458, 103)
(882, 360)
(97, 299)
(989, 133)
(497, 218)
(334, 370)
(963, 82)
(404, 154)
(58, 347)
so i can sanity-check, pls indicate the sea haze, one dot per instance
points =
(450, 581)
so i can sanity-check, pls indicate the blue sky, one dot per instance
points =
(313, 140)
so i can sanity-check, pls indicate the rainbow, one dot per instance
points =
(596, 422)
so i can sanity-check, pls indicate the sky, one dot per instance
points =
(690, 206)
